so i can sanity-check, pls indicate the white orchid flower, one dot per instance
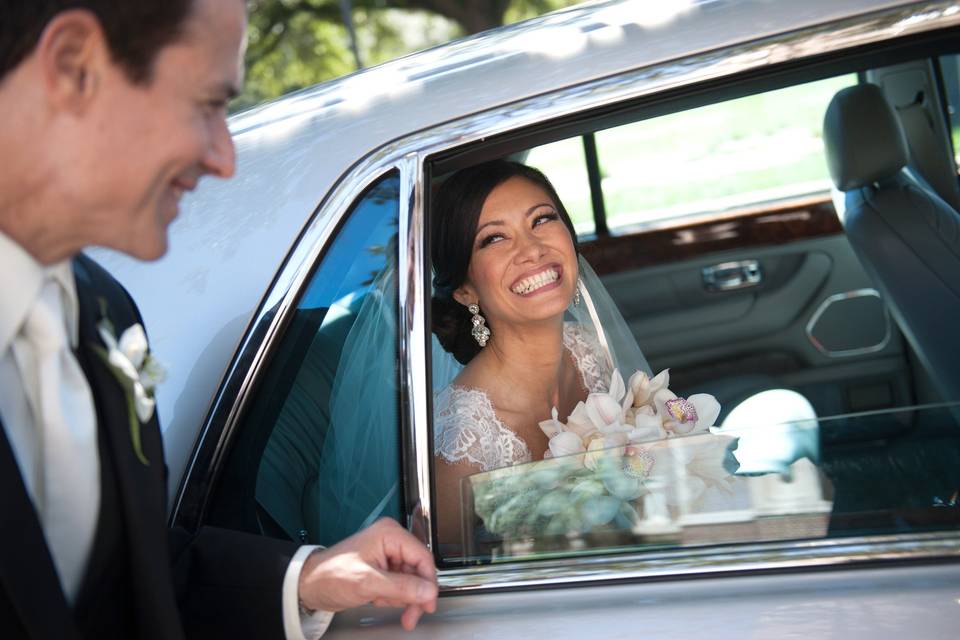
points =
(686, 416)
(127, 356)
(646, 427)
(566, 443)
(643, 388)
(553, 426)
(595, 451)
(136, 370)
(706, 459)
(580, 423)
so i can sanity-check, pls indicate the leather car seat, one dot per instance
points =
(906, 236)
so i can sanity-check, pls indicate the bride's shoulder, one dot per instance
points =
(466, 428)
(459, 408)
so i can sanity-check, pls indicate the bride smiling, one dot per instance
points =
(506, 272)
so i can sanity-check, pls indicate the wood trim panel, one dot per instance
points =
(759, 226)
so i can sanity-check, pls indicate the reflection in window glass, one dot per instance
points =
(886, 472)
(759, 148)
(564, 164)
(950, 68)
(311, 463)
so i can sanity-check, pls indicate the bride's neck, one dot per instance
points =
(530, 359)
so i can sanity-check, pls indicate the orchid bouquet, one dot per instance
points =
(629, 456)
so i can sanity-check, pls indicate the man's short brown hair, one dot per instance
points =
(136, 30)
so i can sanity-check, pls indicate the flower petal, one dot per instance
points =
(566, 443)
(603, 410)
(617, 388)
(552, 426)
(108, 338)
(660, 399)
(143, 403)
(594, 453)
(133, 344)
(708, 409)
(646, 428)
(152, 373)
(123, 365)
(579, 421)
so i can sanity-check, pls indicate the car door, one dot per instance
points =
(790, 563)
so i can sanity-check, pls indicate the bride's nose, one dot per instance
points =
(530, 248)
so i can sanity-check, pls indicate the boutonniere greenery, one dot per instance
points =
(137, 371)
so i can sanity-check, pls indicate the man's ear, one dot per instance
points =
(465, 295)
(72, 52)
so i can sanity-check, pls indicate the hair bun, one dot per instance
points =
(450, 323)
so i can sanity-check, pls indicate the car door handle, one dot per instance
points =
(729, 276)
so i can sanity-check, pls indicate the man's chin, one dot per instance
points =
(147, 249)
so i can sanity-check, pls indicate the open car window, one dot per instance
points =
(715, 232)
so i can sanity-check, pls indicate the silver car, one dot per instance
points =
(736, 214)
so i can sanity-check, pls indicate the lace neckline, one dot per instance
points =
(473, 405)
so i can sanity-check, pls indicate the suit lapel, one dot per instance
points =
(27, 573)
(141, 488)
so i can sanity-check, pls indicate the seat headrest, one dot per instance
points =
(863, 138)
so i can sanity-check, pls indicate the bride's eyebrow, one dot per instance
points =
(529, 211)
(537, 206)
(488, 224)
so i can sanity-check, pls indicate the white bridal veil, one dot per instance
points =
(360, 459)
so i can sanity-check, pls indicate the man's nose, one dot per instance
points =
(221, 156)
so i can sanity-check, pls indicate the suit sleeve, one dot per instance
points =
(229, 584)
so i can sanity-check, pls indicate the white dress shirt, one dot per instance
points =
(21, 279)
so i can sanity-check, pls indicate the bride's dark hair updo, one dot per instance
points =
(454, 215)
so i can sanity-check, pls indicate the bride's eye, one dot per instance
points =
(490, 239)
(545, 217)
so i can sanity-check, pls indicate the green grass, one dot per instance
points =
(694, 160)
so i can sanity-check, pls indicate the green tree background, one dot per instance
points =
(297, 43)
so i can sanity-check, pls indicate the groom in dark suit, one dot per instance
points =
(110, 110)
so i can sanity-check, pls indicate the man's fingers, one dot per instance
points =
(404, 589)
(410, 617)
(400, 546)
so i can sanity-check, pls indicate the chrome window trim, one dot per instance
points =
(408, 155)
(705, 562)
(413, 347)
(846, 353)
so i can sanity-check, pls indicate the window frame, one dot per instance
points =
(553, 116)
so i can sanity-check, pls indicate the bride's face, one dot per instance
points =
(523, 267)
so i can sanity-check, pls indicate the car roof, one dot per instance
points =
(231, 236)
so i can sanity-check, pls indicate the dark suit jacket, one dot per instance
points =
(143, 580)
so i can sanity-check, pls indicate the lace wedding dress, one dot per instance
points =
(466, 427)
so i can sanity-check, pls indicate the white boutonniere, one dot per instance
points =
(137, 371)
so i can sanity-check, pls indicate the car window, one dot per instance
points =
(729, 155)
(731, 268)
(301, 469)
(950, 72)
(850, 475)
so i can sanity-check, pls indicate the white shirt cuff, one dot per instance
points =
(297, 626)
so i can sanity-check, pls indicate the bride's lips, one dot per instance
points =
(539, 280)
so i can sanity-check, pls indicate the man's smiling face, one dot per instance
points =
(145, 144)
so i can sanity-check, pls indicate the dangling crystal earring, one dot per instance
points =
(480, 332)
(576, 294)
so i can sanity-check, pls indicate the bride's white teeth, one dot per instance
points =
(534, 282)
